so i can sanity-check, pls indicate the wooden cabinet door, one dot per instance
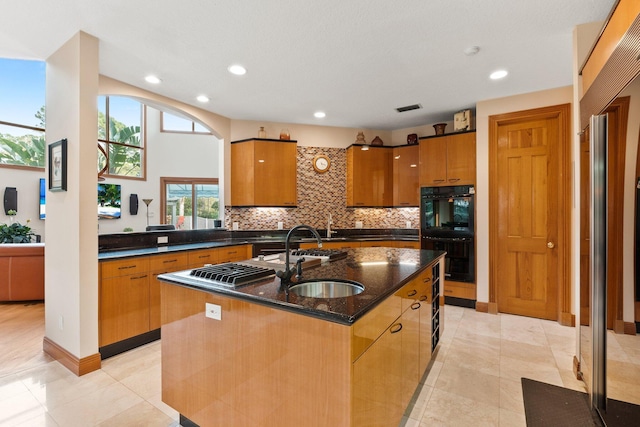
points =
(200, 257)
(160, 264)
(242, 174)
(275, 166)
(461, 159)
(410, 353)
(369, 177)
(433, 162)
(234, 253)
(377, 244)
(124, 307)
(377, 382)
(425, 298)
(406, 190)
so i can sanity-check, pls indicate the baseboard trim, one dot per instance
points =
(576, 368)
(629, 328)
(567, 319)
(482, 307)
(69, 361)
(493, 308)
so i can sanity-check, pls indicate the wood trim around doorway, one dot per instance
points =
(563, 114)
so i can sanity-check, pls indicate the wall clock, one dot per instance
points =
(321, 163)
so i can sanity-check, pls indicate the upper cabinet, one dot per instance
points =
(263, 172)
(406, 191)
(369, 177)
(448, 160)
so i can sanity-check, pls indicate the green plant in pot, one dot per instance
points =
(15, 232)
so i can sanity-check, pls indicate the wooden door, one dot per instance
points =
(528, 213)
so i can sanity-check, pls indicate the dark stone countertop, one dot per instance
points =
(382, 271)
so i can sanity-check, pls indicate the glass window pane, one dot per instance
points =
(175, 123)
(102, 117)
(125, 118)
(19, 146)
(207, 205)
(200, 128)
(22, 92)
(178, 209)
(124, 160)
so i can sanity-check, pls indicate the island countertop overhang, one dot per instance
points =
(382, 271)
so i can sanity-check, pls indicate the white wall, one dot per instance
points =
(27, 184)
(168, 155)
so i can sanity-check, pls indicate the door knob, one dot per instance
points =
(550, 245)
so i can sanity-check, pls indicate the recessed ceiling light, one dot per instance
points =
(319, 114)
(152, 79)
(203, 98)
(499, 74)
(238, 70)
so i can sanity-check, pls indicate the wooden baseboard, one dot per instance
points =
(629, 328)
(69, 361)
(493, 308)
(567, 319)
(576, 368)
(482, 307)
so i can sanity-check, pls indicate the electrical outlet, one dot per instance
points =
(280, 225)
(61, 323)
(358, 224)
(163, 239)
(407, 224)
(213, 311)
(236, 226)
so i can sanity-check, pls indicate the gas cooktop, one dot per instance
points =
(230, 274)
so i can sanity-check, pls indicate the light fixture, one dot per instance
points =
(498, 74)
(147, 202)
(238, 70)
(202, 98)
(319, 114)
(152, 79)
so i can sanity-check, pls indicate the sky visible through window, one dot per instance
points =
(22, 90)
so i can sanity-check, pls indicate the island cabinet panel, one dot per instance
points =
(160, 264)
(406, 191)
(257, 366)
(234, 253)
(263, 173)
(448, 160)
(369, 177)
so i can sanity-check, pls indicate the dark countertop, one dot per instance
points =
(382, 271)
(259, 238)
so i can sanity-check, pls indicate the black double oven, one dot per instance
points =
(447, 224)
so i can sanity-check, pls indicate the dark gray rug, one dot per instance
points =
(547, 405)
(552, 406)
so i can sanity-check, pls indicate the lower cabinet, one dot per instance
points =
(129, 289)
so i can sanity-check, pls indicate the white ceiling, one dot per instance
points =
(357, 60)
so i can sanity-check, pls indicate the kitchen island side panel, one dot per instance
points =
(257, 366)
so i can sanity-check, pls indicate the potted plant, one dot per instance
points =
(15, 232)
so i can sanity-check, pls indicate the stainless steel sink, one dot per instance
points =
(327, 289)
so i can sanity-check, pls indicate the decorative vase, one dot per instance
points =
(412, 138)
(377, 141)
(439, 127)
(284, 134)
(262, 133)
(360, 138)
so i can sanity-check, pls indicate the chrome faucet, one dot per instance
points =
(329, 231)
(285, 276)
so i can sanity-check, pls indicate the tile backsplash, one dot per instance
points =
(321, 194)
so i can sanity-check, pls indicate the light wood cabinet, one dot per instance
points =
(448, 160)
(129, 289)
(460, 289)
(369, 177)
(21, 272)
(406, 189)
(263, 173)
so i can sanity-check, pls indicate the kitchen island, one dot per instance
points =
(258, 355)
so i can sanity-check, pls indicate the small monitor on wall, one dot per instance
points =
(43, 193)
(109, 205)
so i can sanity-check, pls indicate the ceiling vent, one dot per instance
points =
(408, 108)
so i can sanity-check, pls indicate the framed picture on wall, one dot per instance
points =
(58, 166)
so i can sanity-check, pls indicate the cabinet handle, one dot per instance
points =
(448, 291)
(424, 298)
(396, 328)
(415, 306)
(234, 252)
(138, 277)
(169, 260)
(412, 293)
(204, 256)
(427, 280)
(454, 179)
(126, 267)
(438, 180)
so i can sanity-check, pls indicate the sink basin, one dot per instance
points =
(327, 289)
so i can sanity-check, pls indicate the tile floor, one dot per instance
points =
(474, 379)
